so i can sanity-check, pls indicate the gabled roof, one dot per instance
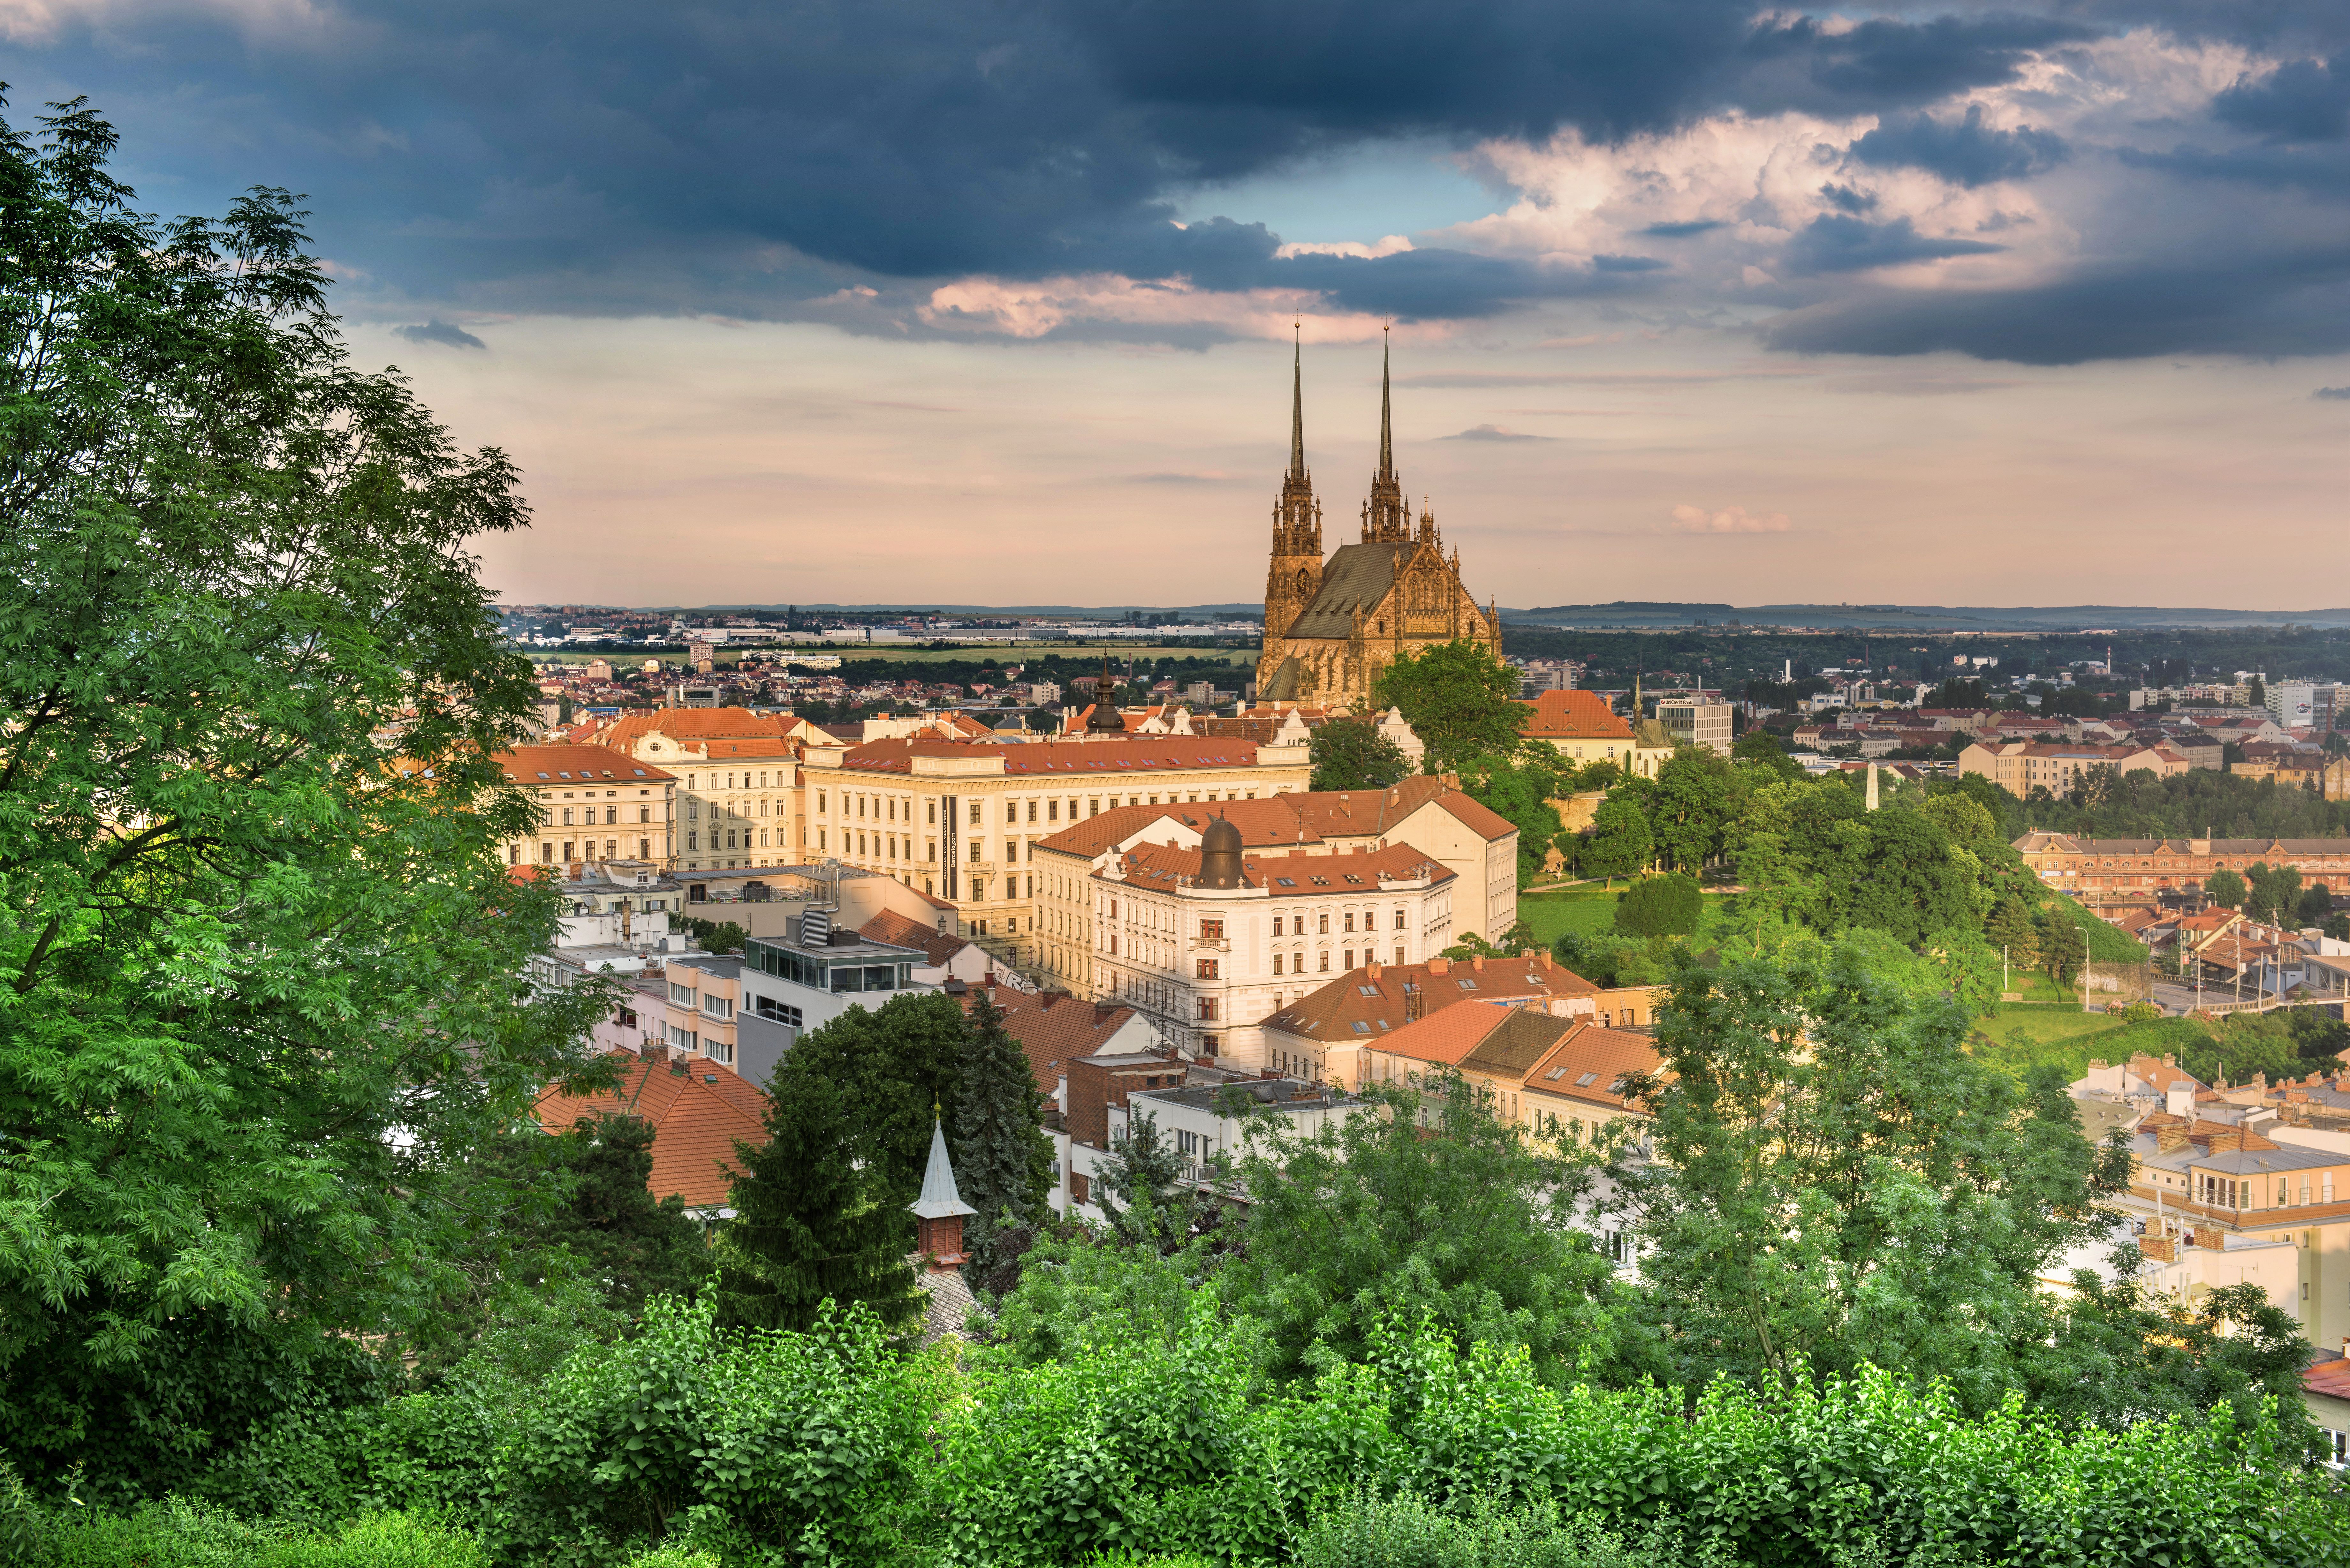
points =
(538, 765)
(1263, 823)
(698, 1111)
(1591, 1063)
(1375, 995)
(1357, 578)
(1573, 716)
(1358, 814)
(903, 931)
(1054, 1028)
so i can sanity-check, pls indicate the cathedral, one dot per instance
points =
(1331, 628)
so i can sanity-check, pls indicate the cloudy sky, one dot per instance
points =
(978, 301)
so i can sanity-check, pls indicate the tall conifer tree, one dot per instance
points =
(807, 1227)
(1003, 1160)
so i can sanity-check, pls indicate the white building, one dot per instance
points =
(811, 977)
(1206, 940)
(1695, 722)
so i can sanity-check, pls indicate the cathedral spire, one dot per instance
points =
(1387, 422)
(1297, 405)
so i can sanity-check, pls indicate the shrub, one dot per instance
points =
(1661, 907)
(182, 1534)
(1406, 1532)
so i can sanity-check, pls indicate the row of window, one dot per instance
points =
(887, 806)
(611, 817)
(575, 849)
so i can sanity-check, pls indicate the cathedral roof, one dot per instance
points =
(1358, 578)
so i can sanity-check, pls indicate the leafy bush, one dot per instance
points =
(1406, 1532)
(1661, 907)
(180, 1534)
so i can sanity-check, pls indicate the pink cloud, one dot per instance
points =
(1729, 520)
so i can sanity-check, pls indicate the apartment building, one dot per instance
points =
(1694, 722)
(963, 821)
(595, 805)
(738, 797)
(2106, 869)
(2020, 767)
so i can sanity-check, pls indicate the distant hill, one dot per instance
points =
(1921, 618)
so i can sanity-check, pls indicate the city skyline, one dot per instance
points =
(987, 305)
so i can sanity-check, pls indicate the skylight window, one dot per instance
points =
(1383, 1026)
(1283, 880)
(543, 775)
(1361, 1027)
(1555, 1074)
(1368, 990)
(1585, 1081)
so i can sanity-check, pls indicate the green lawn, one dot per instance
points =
(1589, 911)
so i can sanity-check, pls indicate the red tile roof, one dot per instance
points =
(1054, 1029)
(575, 764)
(1089, 761)
(1330, 1013)
(698, 1111)
(695, 724)
(1290, 876)
(905, 931)
(2330, 1377)
(1573, 716)
(1604, 1055)
(1301, 819)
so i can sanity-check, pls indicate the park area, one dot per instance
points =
(1588, 909)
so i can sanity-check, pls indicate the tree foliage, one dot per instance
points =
(1837, 1181)
(1661, 906)
(1002, 1158)
(811, 1227)
(1354, 755)
(241, 947)
(1619, 842)
(1421, 1206)
(1460, 700)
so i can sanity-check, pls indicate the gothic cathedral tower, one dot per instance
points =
(1296, 572)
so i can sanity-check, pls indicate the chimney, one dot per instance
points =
(2226, 1139)
(2210, 1236)
(1440, 966)
(656, 1050)
(1102, 1010)
(2169, 1139)
(1372, 969)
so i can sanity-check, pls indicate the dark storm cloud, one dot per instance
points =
(2300, 100)
(1683, 231)
(640, 158)
(2285, 303)
(2324, 171)
(1963, 152)
(438, 331)
(1838, 241)
(2333, 393)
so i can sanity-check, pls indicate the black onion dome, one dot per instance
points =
(1219, 855)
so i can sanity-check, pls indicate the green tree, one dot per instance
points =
(1003, 1159)
(1762, 749)
(2273, 893)
(1697, 795)
(1459, 700)
(1661, 906)
(2227, 889)
(1962, 817)
(810, 1226)
(1423, 1206)
(897, 1063)
(2123, 1354)
(1837, 1180)
(1353, 754)
(1519, 789)
(1619, 842)
(551, 1213)
(1140, 1187)
(2315, 905)
(240, 948)
(2011, 929)
(2064, 947)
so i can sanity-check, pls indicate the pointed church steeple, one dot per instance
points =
(1386, 416)
(1297, 408)
(1386, 519)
